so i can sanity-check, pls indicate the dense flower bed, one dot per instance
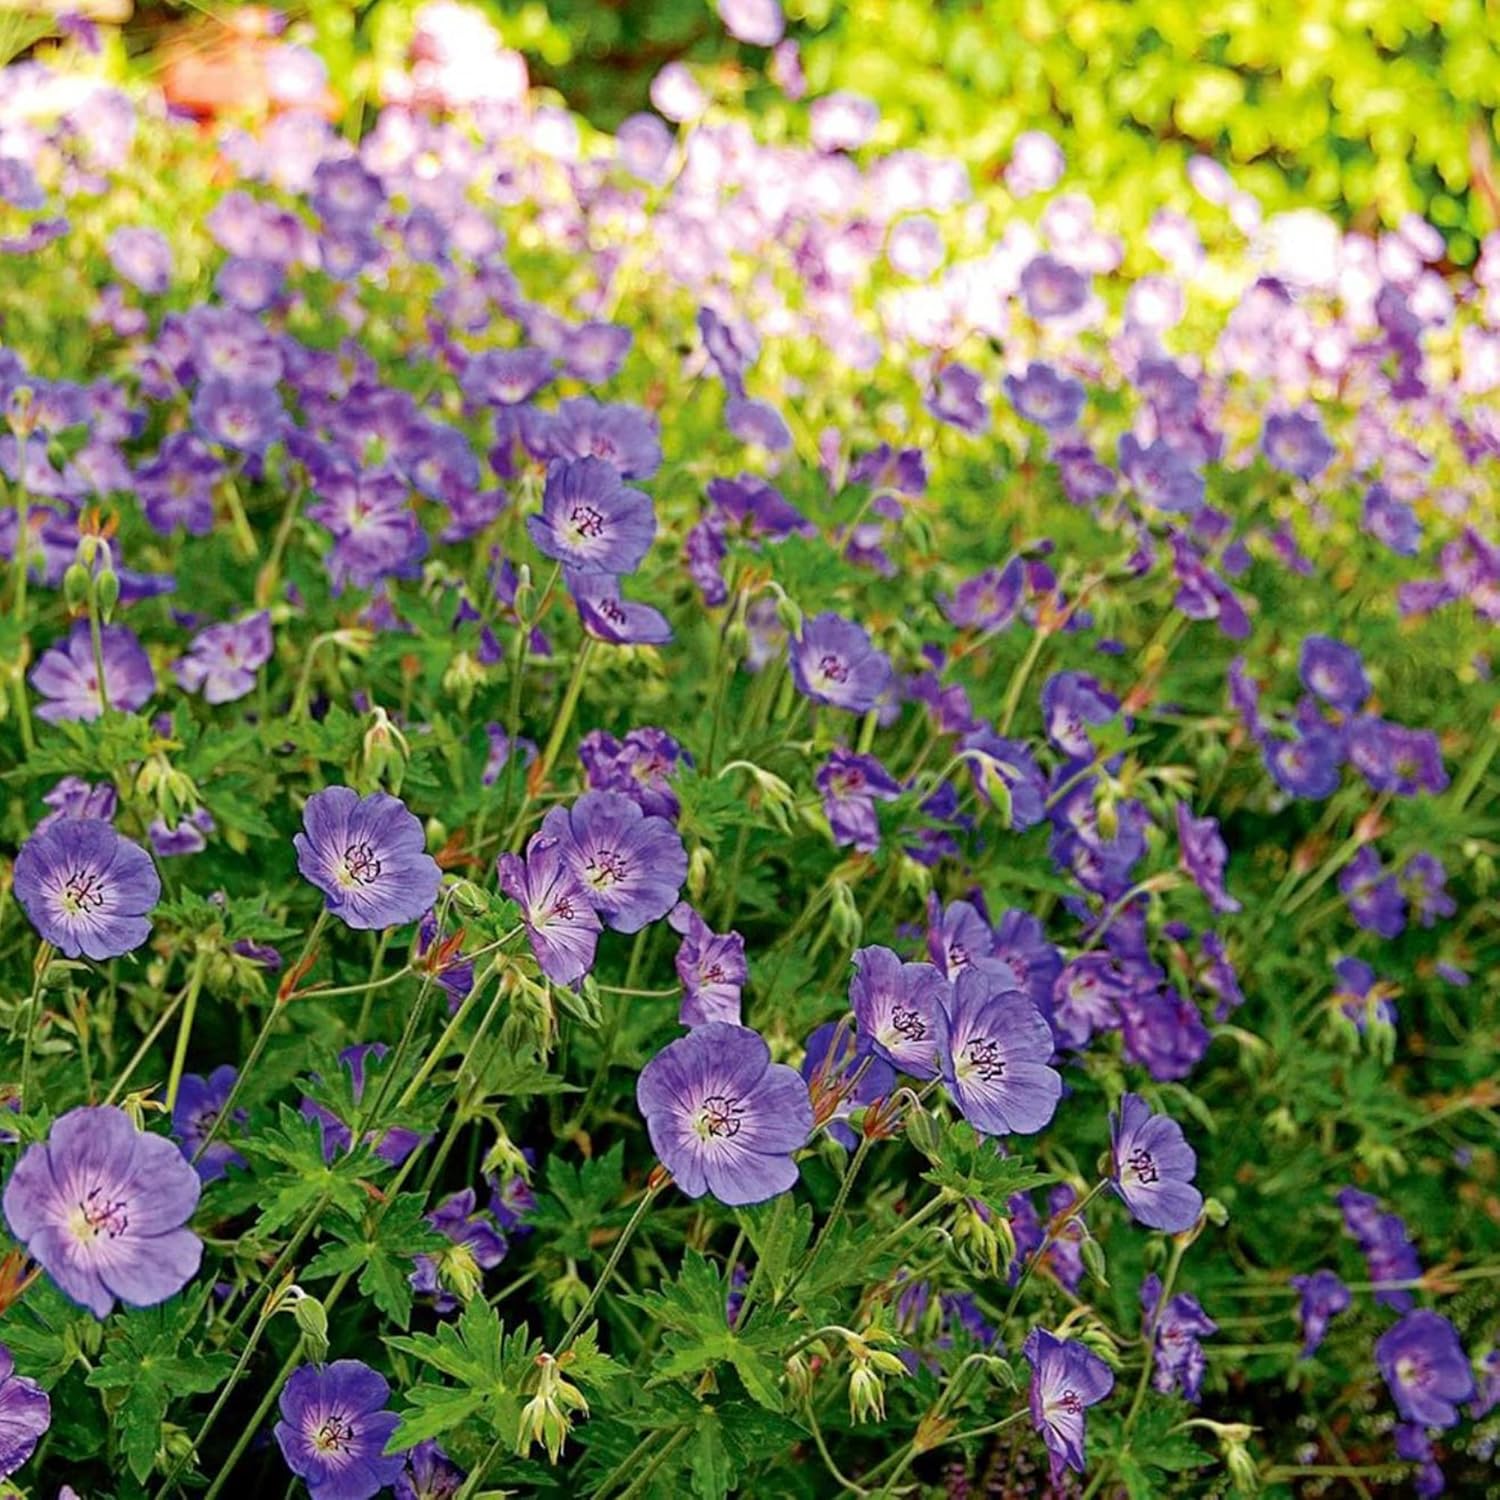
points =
(691, 811)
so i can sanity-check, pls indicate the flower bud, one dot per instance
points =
(799, 1376)
(525, 595)
(700, 870)
(1093, 1260)
(76, 584)
(385, 752)
(459, 1272)
(844, 919)
(462, 677)
(866, 1394)
(789, 614)
(548, 1417)
(107, 591)
(312, 1318)
(922, 1131)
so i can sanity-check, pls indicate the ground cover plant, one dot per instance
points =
(728, 808)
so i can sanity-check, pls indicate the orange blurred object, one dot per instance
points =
(227, 67)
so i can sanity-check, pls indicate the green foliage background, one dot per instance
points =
(1370, 109)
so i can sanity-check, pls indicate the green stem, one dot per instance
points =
(96, 641)
(33, 1015)
(476, 1475)
(258, 1047)
(215, 1411)
(662, 1455)
(257, 1419)
(564, 719)
(185, 1030)
(1018, 680)
(861, 1151)
(147, 1042)
(1053, 1229)
(244, 536)
(615, 1255)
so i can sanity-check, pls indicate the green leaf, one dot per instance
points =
(579, 1200)
(432, 1410)
(143, 1371)
(709, 1462)
(698, 1337)
(384, 1247)
(780, 1232)
(970, 1166)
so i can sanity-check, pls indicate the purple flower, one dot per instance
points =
(1425, 883)
(1393, 758)
(994, 1049)
(188, 837)
(711, 966)
(394, 1146)
(640, 767)
(1392, 522)
(758, 22)
(1160, 475)
(1297, 445)
(1162, 1031)
(1036, 164)
(1306, 765)
(1153, 1167)
(477, 1246)
(74, 797)
(723, 1118)
(1334, 672)
(1066, 1379)
(608, 616)
(756, 508)
(368, 856)
(1006, 772)
(1375, 899)
(590, 520)
(429, 1474)
(1425, 1368)
(1176, 1329)
(200, 1101)
(1324, 1297)
(65, 674)
(1053, 289)
(621, 436)
(176, 486)
(86, 889)
(334, 1428)
(1043, 396)
(1086, 996)
(990, 600)
(842, 121)
(237, 414)
(143, 257)
(222, 660)
(757, 422)
(25, 1414)
(101, 1207)
(559, 917)
(1390, 1256)
(850, 785)
(1071, 702)
(594, 352)
(345, 195)
(628, 863)
(899, 1008)
(842, 1067)
(835, 662)
(731, 349)
(957, 398)
(1204, 856)
(506, 377)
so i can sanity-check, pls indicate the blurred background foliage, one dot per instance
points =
(1369, 109)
